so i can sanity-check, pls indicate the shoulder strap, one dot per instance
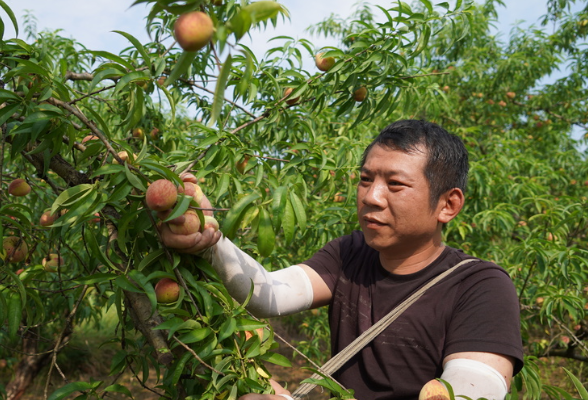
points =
(362, 340)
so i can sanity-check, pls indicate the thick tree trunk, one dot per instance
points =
(30, 365)
(27, 368)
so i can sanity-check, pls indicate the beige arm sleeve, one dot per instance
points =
(281, 292)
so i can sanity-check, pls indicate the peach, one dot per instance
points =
(434, 390)
(258, 331)
(360, 94)
(16, 249)
(324, 64)
(191, 224)
(167, 290)
(124, 156)
(19, 187)
(193, 190)
(89, 137)
(52, 262)
(47, 219)
(193, 30)
(154, 133)
(161, 195)
(290, 101)
(241, 165)
(211, 222)
(138, 133)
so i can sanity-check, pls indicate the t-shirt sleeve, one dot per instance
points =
(327, 262)
(486, 317)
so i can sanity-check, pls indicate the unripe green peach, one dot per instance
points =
(161, 195)
(167, 290)
(19, 187)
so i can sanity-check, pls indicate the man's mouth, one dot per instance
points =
(372, 222)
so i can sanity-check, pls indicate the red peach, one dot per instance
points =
(167, 291)
(16, 249)
(19, 187)
(161, 195)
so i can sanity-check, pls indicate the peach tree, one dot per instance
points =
(273, 145)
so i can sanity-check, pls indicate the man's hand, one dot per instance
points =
(193, 243)
(278, 390)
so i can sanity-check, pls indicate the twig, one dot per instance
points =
(197, 357)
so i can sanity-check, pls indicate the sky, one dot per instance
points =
(91, 22)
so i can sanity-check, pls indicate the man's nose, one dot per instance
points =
(376, 195)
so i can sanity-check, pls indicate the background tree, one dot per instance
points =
(280, 170)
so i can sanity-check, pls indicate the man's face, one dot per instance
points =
(393, 202)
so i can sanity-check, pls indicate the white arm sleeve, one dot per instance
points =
(281, 292)
(474, 379)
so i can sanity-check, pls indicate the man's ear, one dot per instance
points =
(450, 204)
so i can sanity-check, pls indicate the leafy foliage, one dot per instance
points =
(208, 111)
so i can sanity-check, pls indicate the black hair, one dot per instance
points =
(447, 158)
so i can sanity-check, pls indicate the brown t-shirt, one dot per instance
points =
(475, 308)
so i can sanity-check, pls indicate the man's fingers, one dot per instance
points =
(278, 389)
(188, 177)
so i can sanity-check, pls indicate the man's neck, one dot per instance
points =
(412, 263)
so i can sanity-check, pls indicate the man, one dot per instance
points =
(465, 329)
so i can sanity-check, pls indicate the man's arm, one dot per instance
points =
(280, 292)
(478, 374)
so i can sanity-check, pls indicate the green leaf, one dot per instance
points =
(114, 58)
(70, 388)
(266, 238)
(181, 67)
(182, 204)
(117, 388)
(236, 213)
(128, 78)
(150, 258)
(96, 278)
(579, 387)
(137, 45)
(108, 73)
(14, 315)
(219, 92)
(299, 211)
(70, 195)
(264, 10)
(123, 283)
(279, 205)
(179, 367)
(289, 222)
(10, 15)
(134, 179)
(277, 359)
(227, 328)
